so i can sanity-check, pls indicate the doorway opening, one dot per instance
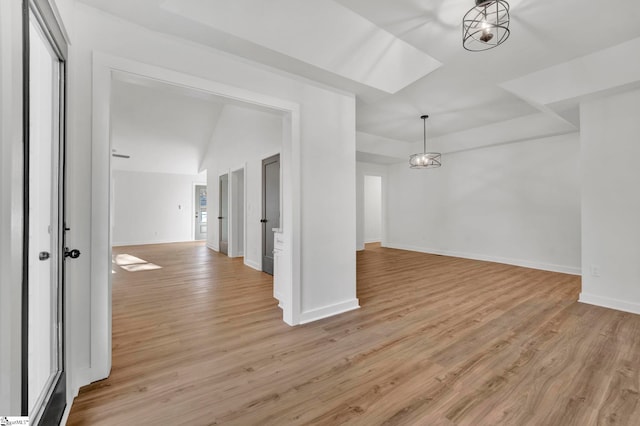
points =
(107, 70)
(372, 209)
(201, 217)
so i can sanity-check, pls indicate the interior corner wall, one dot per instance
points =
(370, 169)
(243, 138)
(152, 208)
(611, 202)
(517, 203)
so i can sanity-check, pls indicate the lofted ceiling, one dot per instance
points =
(164, 128)
(404, 58)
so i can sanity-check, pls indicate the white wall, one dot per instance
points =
(517, 203)
(323, 253)
(11, 205)
(611, 202)
(243, 136)
(328, 193)
(372, 209)
(362, 170)
(150, 208)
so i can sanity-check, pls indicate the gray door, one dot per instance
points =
(201, 213)
(270, 208)
(44, 252)
(223, 217)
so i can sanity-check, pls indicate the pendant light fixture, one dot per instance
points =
(424, 159)
(486, 25)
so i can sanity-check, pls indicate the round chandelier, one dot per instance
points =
(424, 159)
(486, 25)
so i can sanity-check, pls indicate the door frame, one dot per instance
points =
(56, 402)
(105, 68)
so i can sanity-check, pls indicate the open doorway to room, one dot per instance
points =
(372, 209)
(201, 218)
(229, 142)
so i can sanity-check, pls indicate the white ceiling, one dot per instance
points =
(404, 58)
(161, 127)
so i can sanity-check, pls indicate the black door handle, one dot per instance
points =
(263, 221)
(74, 254)
(220, 217)
(44, 255)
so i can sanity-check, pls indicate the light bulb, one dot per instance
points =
(486, 31)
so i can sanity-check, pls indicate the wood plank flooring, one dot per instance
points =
(438, 341)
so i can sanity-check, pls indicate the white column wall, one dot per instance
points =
(611, 202)
(328, 192)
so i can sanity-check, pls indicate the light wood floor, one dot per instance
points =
(438, 341)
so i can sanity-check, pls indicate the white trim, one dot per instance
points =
(147, 243)
(328, 311)
(253, 265)
(572, 270)
(607, 302)
(104, 68)
(212, 247)
(377, 240)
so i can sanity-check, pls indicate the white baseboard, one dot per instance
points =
(606, 302)
(212, 247)
(377, 240)
(146, 243)
(328, 311)
(81, 377)
(572, 270)
(252, 264)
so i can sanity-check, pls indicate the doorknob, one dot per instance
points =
(263, 220)
(220, 217)
(44, 255)
(74, 254)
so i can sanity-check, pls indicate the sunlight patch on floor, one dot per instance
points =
(133, 264)
(127, 259)
(141, 267)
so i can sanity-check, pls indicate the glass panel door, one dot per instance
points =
(44, 383)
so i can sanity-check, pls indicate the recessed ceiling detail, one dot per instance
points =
(321, 33)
